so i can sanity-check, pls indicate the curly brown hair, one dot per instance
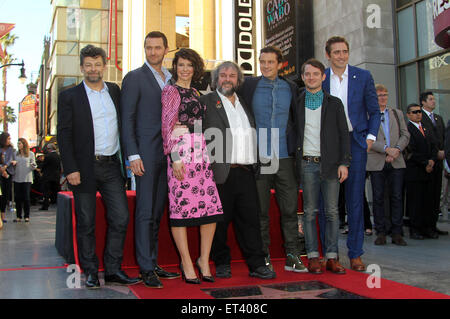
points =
(194, 58)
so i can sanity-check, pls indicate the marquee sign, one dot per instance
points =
(245, 36)
(441, 21)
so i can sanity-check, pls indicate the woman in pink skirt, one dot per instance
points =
(193, 196)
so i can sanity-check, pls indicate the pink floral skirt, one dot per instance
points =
(193, 201)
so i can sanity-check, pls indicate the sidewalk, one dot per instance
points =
(30, 266)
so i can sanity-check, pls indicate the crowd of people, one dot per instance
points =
(216, 158)
(27, 178)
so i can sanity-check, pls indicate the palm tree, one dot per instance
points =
(11, 117)
(7, 41)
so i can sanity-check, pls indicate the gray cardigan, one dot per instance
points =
(24, 168)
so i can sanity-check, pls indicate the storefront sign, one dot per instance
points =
(441, 21)
(288, 26)
(245, 36)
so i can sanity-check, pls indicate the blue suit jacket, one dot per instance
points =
(363, 108)
(141, 115)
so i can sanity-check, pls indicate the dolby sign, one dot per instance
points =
(245, 36)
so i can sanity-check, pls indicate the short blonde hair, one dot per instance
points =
(381, 87)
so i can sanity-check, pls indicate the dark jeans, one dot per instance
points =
(394, 177)
(22, 199)
(240, 205)
(6, 185)
(111, 185)
(286, 193)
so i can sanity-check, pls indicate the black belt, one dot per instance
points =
(314, 159)
(103, 158)
(246, 167)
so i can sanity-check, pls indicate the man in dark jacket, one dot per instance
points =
(89, 140)
(51, 173)
(323, 158)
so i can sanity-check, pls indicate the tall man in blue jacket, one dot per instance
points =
(141, 130)
(355, 87)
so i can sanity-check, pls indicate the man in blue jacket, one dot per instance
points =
(355, 87)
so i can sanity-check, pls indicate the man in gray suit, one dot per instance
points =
(385, 162)
(141, 130)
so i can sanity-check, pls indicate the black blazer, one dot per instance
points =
(216, 117)
(447, 143)
(437, 133)
(51, 167)
(334, 135)
(420, 150)
(76, 133)
(247, 91)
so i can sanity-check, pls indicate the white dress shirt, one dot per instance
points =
(339, 89)
(104, 116)
(244, 137)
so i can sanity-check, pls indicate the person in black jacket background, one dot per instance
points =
(51, 173)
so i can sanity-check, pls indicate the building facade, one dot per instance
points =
(393, 39)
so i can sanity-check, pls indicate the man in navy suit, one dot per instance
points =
(141, 129)
(355, 87)
(89, 142)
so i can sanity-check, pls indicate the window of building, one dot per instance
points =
(422, 64)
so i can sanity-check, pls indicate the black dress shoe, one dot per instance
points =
(92, 281)
(151, 280)
(194, 281)
(163, 274)
(121, 278)
(431, 235)
(263, 272)
(223, 271)
(441, 232)
(202, 277)
(416, 236)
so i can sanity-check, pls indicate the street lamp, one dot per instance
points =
(22, 77)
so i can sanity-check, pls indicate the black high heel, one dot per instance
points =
(194, 281)
(204, 278)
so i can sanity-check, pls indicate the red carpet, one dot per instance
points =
(351, 285)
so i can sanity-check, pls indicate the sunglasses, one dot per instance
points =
(416, 112)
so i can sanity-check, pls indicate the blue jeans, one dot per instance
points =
(312, 184)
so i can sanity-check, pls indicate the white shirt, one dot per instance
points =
(339, 89)
(416, 125)
(244, 137)
(311, 142)
(104, 116)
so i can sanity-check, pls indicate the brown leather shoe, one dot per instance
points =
(314, 266)
(397, 239)
(357, 265)
(335, 267)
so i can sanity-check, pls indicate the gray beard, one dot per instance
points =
(227, 93)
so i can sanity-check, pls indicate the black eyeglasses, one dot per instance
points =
(416, 112)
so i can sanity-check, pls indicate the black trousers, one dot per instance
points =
(419, 206)
(240, 203)
(6, 185)
(51, 189)
(22, 199)
(111, 185)
(436, 188)
(151, 199)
